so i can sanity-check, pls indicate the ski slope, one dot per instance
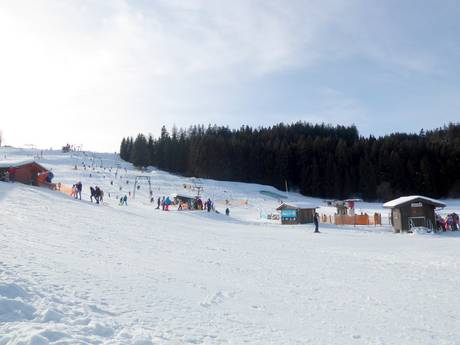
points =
(72, 272)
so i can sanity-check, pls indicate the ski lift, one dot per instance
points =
(197, 186)
(136, 186)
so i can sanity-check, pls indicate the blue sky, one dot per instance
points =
(90, 72)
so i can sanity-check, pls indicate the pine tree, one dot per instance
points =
(140, 153)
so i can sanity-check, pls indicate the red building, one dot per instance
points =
(28, 172)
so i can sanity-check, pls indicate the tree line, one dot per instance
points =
(315, 159)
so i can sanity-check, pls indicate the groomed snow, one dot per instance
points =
(72, 272)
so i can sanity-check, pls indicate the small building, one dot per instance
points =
(408, 212)
(342, 209)
(27, 172)
(188, 202)
(297, 212)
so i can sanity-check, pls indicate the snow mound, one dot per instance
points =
(12, 290)
(12, 310)
(49, 316)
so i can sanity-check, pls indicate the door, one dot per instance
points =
(417, 222)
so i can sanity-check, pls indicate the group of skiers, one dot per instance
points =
(451, 222)
(97, 194)
(76, 190)
(165, 203)
(124, 200)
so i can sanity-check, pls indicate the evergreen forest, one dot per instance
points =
(314, 159)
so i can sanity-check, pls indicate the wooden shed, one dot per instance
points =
(26, 171)
(297, 212)
(408, 212)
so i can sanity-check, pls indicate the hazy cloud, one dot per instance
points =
(130, 66)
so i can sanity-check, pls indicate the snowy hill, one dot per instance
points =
(72, 272)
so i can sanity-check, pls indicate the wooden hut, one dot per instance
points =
(413, 211)
(297, 212)
(27, 172)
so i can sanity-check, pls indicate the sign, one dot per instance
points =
(289, 213)
(416, 204)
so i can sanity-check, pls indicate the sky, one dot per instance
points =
(90, 72)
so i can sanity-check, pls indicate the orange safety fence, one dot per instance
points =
(59, 187)
(63, 188)
(362, 219)
(232, 202)
(324, 218)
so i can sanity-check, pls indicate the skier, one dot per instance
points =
(167, 203)
(93, 194)
(227, 211)
(158, 203)
(98, 195)
(79, 187)
(316, 222)
(199, 204)
(74, 191)
(124, 200)
(49, 177)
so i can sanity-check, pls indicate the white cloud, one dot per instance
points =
(133, 65)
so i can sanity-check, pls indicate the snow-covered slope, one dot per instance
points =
(72, 272)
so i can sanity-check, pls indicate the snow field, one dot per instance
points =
(72, 272)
